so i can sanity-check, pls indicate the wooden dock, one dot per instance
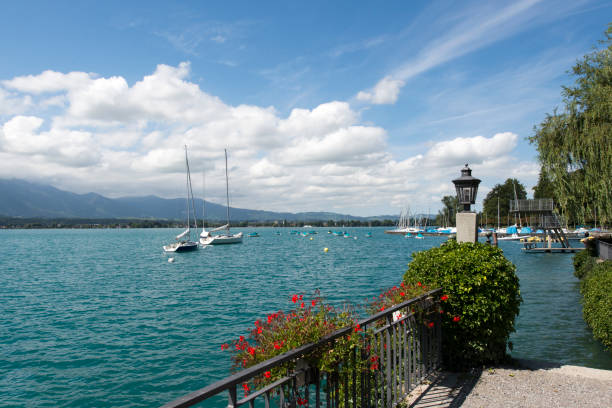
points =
(539, 250)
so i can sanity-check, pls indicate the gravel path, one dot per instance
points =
(528, 384)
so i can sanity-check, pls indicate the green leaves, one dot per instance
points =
(483, 292)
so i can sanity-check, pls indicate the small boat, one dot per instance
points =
(369, 235)
(419, 236)
(228, 238)
(408, 235)
(183, 240)
(252, 235)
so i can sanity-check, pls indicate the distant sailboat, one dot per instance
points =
(228, 238)
(181, 244)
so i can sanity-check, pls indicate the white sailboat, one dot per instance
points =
(183, 240)
(206, 238)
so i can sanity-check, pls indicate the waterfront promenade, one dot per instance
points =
(527, 383)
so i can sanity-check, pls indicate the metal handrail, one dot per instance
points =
(230, 383)
(535, 205)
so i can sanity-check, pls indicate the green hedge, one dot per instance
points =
(596, 289)
(583, 263)
(483, 299)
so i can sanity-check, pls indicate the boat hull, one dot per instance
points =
(222, 239)
(185, 246)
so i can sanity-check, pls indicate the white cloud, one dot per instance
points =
(473, 149)
(48, 82)
(462, 33)
(386, 91)
(129, 140)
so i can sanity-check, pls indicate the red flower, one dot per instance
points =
(441, 311)
(302, 305)
(245, 386)
(301, 297)
(402, 284)
(402, 294)
(251, 351)
(430, 324)
(444, 298)
(259, 330)
(267, 374)
(357, 328)
(224, 346)
(294, 298)
(382, 308)
(277, 346)
(456, 319)
(419, 284)
(313, 302)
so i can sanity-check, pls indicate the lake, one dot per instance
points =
(101, 318)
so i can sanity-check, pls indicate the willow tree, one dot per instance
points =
(575, 145)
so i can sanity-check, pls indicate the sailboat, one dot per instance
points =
(227, 238)
(183, 240)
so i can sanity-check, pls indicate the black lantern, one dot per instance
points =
(467, 187)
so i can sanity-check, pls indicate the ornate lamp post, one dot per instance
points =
(467, 187)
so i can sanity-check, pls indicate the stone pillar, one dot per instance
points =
(467, 227)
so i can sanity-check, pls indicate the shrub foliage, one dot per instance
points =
(583, 263)
(483, 299)
(596, 290)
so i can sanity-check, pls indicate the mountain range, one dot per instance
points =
(20, 198)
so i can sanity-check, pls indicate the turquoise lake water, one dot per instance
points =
(100, 318)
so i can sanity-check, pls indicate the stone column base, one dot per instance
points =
(467, 227)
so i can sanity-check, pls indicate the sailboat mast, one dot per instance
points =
(187, 185)
(227, 190)
(190, 194)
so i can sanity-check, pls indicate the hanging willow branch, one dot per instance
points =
(575, 146)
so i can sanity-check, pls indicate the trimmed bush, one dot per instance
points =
(482, 299)
(583, 263)
(596, 290)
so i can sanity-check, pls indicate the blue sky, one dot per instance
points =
(359, 107)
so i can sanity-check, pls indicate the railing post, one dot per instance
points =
(232, 397)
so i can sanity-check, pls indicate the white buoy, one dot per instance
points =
(311, 238)
(170, 260)
(355, 237)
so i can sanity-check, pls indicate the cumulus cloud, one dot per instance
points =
(128, 139)
(386, 91)
(472, 149)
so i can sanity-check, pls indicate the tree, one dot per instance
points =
(575, 146)
(446, 216)
(545, 188)
(505, 193)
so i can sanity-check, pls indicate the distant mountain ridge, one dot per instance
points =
(20, 198)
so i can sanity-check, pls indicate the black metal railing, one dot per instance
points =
(402, 347)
